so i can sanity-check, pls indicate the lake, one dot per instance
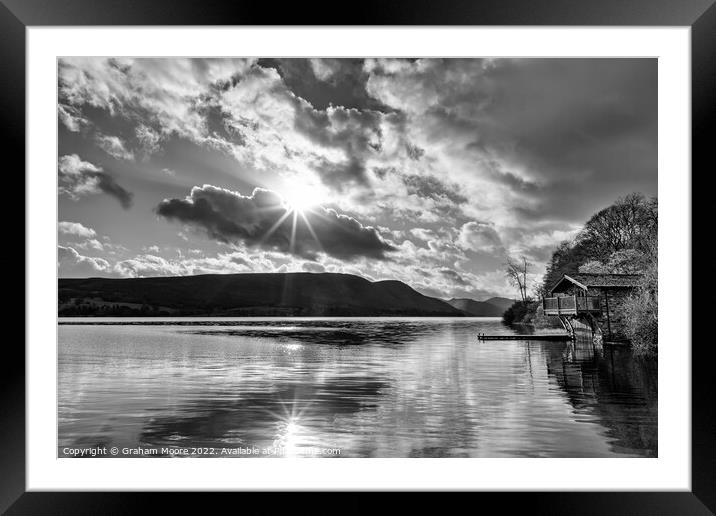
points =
(332, 387)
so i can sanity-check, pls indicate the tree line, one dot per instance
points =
(619, 239)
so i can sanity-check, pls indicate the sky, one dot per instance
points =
(429, 171)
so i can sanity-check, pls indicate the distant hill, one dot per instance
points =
(272, 294)
(493, 307)
(502, 302)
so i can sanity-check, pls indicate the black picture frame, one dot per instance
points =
(700, 15)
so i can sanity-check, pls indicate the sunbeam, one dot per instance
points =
(310, 229)
(276, 225)
(293, 231)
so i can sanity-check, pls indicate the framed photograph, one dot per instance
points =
(426, 251)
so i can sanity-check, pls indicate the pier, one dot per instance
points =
(549, 337)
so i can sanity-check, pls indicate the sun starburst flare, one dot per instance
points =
(303, 197)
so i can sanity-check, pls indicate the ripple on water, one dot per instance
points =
(373, 388)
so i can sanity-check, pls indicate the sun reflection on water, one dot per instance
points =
(290, 435)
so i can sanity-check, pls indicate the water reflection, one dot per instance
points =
(281, 416)
(340, 332)
(371, 388)
(611, 384)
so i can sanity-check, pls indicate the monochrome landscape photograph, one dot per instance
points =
(357, 258)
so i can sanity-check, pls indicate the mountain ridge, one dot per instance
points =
(493, 307)
(247, 294)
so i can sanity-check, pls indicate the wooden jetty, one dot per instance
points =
(550, 337)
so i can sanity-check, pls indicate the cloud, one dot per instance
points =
(240, 108)
(75, 229)
(431, 187)
(424, 234)
(478, 236)
(348, 137)
(313, 267)
(419, 149)
(160, 89)
(538, 243)
(148, 138)
(115, 147)
(327, 81)
(262, 220)
(529, 132)
(453, 276)
(108, 185)
(276, 130)
(147, 265)
(92, 243)
(71, 264)
(78, 178)
(324, 69)
(414, 152)
(71, 118)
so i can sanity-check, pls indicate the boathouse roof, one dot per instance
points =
(596, 280)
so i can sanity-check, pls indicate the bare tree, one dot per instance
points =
(516, 272)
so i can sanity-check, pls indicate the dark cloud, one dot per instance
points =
(414, 152)
(592, 120)
(262, 220)
(353, 130)
(109, 186)
(478, 236)
(496, 171)
(382, 172)
(357, 133)
(550, 129)
(453, 276)
(431, 187)
(221, 124)
(342, 175)
(78, 178)
(326, 82)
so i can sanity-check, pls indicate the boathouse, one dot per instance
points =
(593, 301)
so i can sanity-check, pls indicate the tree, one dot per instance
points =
(516, 313)
(565, 260)
(620, 238)
(594, 267)
(516, 272)
(626, 261)
(641, 312)
(629, 223)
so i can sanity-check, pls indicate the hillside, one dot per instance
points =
(493, 307)
(273, 294)
(502, 303)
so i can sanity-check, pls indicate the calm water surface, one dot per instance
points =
(349, 388)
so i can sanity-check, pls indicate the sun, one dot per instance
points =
(303, 197)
